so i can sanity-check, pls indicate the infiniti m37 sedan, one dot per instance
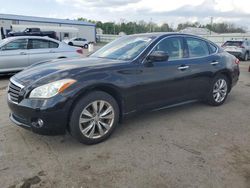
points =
(90, 96)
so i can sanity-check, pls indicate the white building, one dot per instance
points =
(63, 27)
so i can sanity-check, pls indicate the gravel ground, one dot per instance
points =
(190, 146)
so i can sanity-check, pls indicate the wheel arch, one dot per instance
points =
(109, 89)
(228, 75)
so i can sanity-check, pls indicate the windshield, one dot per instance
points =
(124, 48)
(4, 41)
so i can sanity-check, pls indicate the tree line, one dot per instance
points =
(143, 27)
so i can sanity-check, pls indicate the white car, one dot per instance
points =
(78, 42)
(16, 53)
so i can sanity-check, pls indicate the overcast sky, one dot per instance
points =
(170, 11)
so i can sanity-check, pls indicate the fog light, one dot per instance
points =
(38, 123)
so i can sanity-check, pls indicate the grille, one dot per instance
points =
(13, 92)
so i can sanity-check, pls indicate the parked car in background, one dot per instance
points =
(33, 32)
(238, 48)
(16, 53)
(81, 42)
(89, 96)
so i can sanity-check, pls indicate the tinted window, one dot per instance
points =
(212, 47)
(197, 47)
(39, 44)
(16, 45)
(172, 46)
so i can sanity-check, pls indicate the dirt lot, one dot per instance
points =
(190, 146)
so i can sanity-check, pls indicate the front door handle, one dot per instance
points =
(214, 63)
(23, 53)
(51, 51)
(183, 67)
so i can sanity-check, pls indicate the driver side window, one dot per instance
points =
(172, 46)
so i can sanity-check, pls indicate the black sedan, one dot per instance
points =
(88, 97)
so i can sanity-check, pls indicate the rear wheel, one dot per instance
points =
(70, 43)
(94, 118)
(86, 46)
(218, 91)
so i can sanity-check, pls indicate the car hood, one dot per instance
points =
(49, 71)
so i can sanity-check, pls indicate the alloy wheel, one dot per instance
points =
(96, 119)
(220, 90)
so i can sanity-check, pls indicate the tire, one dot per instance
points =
(70, 43)
(94, 126)
(246, 56)
(86, 46)
(213, 98)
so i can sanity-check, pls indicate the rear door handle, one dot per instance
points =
(183, 67)
(214, 63)
(23, 53)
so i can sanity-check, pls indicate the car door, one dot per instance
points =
(14, 56)
(77, 42)
(42, 50)
(164, 82)
(203, 62)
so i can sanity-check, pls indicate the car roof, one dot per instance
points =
(236, 40)
(160, 34)
(32, 37)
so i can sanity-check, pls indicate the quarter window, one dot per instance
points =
(39, 44)
(19, 44)
(212, 47)
(197, 47)
(172, 46)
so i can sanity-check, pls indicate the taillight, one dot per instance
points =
(237, 61)
(242, 46)
(80, 51)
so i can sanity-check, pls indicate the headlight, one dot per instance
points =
(51, 89)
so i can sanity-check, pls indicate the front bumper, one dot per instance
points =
(53, 113)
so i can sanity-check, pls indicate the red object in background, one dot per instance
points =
(249, 69)
(80, 51)
(237, 61)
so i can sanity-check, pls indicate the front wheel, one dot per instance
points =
(218, 91)
(94, 118)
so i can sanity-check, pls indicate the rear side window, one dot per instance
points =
(19, 44)
(197, 47)
(40, 44)
(172, 46)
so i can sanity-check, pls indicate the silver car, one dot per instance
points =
(238, 48)
(16, 53)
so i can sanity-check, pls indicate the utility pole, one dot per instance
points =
(211, 23)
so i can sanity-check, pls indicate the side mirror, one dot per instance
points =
(158, 56)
